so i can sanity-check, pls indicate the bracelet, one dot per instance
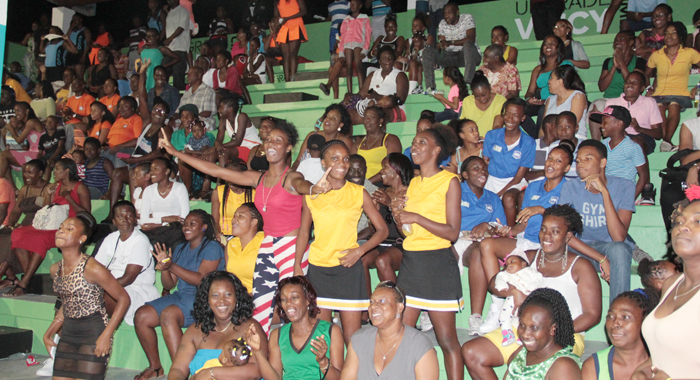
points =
(601, 261)
(211, 372)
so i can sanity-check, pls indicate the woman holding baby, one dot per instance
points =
(223, 312)
(562, 271)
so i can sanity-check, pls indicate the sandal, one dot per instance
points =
(13, 289)
(156, 370)
(13, 282)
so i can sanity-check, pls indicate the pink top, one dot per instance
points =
(356, 30)
(237, 49)
(281, 211)
(454, 93)
(644, 110)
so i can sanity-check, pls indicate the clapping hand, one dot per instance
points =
(319, 347)
(253, 338)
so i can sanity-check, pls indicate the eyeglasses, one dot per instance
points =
(658, 15)
(392, 285)
(559, 26)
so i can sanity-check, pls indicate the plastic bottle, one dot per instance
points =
(697, 95)
(407, 229)
(433, 92)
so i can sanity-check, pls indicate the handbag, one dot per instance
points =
(50, 217)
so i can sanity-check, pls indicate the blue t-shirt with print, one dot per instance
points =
(536, 195)
(592, 209)
(191, 259)
(475, 210)
(505, 163)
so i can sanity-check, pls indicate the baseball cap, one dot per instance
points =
(618, 112)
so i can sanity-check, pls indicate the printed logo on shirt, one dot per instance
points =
(497, 148)
(535, 197)
(81, 108)
(593, 215)
(517, 154)
(489, 208)
(553, 200)
(465, 204)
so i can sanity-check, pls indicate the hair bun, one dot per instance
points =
(568, 145)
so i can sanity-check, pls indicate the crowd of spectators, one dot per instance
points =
(510, 188)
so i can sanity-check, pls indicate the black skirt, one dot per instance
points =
(75, 353)
(340, 288)
(431, 280)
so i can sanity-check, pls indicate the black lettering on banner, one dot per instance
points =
(525, 5)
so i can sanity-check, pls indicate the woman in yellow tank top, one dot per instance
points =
(335, 268)
(226, 200)
(242, 249)
(376, 144)
(430, 217)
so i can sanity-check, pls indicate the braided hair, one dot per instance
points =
(205, 217)
(573, 220)
(254, 214)
(555, 304)
(645, 299)
(89, 223)
(330, 144)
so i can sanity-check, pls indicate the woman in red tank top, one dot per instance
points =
(278, 195)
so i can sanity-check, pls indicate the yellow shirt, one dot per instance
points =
(233, 202)
(241, 260)
(373, 157)
(211, 363)
(20, 94)
(428, 198)
(672, 78)
(335, 215)
(483, 119)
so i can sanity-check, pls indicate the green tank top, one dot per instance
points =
(603, 361)
(519, 370)
(301, 364)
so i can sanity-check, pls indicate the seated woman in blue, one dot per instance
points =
(185, 266)
(525, 235)
(479, 206)
(510, 153)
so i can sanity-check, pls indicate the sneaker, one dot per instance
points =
(47, 369)
(490, 323)
(648, 195)
(508, 338)
(474, 324)
(638, 254)
(519, 342)
(325, 89)
(425, 323)
(417, 90)
(665, 146)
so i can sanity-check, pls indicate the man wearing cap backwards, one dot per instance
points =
(625, 157)
(606, 205)
(201, 96)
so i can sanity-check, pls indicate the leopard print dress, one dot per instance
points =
(85, 318)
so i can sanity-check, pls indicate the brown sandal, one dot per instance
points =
(158, 371)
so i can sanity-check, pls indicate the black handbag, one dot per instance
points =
(672, 184)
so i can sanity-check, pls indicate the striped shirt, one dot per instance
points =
(337, 11)
(97, 177)
(624, 159)
(379, 8)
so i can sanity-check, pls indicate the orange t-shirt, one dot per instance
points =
(80, 105)
(95, 132)
(124, 130)
(111, 103)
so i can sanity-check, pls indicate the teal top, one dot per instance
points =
(519, 370)
(604, 363)
(179, 140)
(156, 58)
(202, 356)
(301, 364)
(543, 81)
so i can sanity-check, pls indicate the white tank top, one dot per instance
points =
(386, 85)
(565, 285)
(552, 108)
(693, 126)
(251, 137)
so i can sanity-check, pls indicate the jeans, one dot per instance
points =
(545, 15)
(619, 254)
(468, 57)
(179, 70)
(435, 17)
(446, 115)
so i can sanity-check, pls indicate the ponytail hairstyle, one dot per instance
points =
(456, 76)
(207, 220)
(255, 214)
(570, 78)
(89, 223)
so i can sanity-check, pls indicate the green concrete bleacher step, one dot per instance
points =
(289, 97)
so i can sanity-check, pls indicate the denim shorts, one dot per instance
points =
(684, 101)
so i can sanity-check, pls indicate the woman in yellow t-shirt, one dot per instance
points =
(226, 200)
(483, 106)
(335, 268)
(242, 249)
(670, 88)
(430, 216)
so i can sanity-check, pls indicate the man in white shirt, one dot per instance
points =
(457, 40)
(127, 254)
(177, 26)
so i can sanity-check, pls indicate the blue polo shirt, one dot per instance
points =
(535, 195)
(475, 210)
(505, 163)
